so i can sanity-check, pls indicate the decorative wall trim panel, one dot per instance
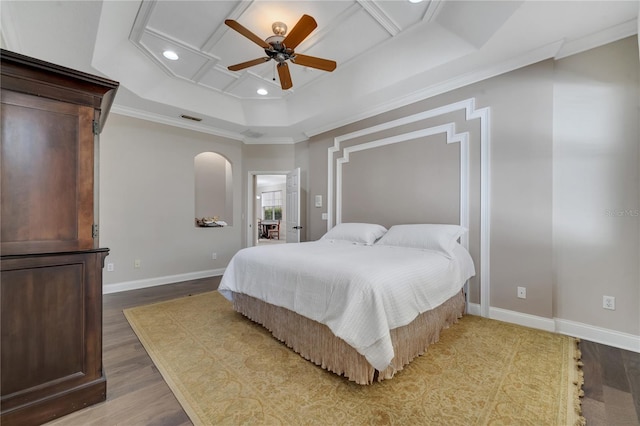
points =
(334, 168)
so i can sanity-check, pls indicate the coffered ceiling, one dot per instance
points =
(388, 53)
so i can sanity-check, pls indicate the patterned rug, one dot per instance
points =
(227, 370)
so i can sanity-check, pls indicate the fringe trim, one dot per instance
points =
(578, 383)
(316, 343)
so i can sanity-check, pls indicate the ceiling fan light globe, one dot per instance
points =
(279, 28)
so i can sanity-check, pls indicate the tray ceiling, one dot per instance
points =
(389, 53)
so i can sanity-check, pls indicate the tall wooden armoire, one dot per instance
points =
(50, 260)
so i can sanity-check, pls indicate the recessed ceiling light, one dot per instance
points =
(262, 92)
(415, 1)
(170, 54)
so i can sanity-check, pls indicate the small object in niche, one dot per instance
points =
(210, 222)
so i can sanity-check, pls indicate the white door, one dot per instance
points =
(293, 206)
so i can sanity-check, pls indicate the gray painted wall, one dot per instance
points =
(596, 186)
(564, 173)
(147, 201)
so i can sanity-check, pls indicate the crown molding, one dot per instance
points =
(175, 122)
(537, 55)
(270, 141)
(611, 34)
(556, 50)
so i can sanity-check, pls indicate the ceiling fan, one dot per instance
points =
(280, 48)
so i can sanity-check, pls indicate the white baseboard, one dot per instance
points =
(520, 318)
(152, 282)
(605, 336)
(474, 309)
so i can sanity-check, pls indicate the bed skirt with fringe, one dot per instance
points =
(315, 341)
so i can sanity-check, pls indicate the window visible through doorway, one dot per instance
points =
(272, 205)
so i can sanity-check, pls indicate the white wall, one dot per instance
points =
(147, 201)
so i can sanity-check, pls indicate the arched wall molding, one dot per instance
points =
(334, 168)
(213, 187)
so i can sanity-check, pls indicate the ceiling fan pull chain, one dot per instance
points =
(274, 71)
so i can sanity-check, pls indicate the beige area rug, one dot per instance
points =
(225, 369)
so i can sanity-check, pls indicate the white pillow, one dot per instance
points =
(357, 233)
(436, 237)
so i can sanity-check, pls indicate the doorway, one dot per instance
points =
(270, 209)
(273, 196)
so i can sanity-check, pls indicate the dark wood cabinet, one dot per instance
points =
(50, 263)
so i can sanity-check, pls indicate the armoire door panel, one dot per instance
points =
(51, 315)
(47, 175)
(47, 346)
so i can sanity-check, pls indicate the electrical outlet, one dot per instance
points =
(136, 263)
(522, 292)
(609, 302)
(214, 256)
(110, 267)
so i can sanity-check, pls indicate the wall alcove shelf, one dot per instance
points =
(51, 262)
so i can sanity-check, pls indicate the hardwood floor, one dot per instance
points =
(612, 385)
(137, 394)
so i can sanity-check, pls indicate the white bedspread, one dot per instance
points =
(359, 292)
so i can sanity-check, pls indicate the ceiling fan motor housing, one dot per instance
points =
(275, 41)
(278, 52)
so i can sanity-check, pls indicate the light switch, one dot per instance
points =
(318, 200)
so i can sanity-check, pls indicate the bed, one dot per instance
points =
(362, 301)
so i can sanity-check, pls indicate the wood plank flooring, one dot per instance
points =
(137, 394)
(612, 385)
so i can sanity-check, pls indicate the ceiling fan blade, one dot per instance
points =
(302, 29)
(285, 76)
(243, 65)
(313, 62)
(248, 34)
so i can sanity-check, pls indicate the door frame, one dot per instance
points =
(251, 239)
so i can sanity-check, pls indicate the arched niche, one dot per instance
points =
(213, 190)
